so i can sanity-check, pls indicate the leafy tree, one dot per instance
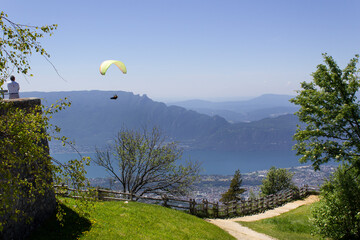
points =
(26, 168)
(329, 107)
(235, 190)
(143, 162)
(337, 215)
(276, 180)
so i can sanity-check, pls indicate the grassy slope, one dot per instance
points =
(118, 220)
(293, 225)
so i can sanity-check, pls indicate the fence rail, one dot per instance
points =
(203, 208)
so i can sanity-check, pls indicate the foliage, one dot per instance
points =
(294, 225)
(21, 138)
(253, 195)
(235, 190)
(72, 172)
(17, 44)
(143, 162)
(26, 169)
(337, 215)
(276, 180)
(330, 109)
(133, 220)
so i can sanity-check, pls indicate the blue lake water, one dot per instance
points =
(214, 162)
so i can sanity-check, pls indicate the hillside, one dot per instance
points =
(133, 220)
(94, 119)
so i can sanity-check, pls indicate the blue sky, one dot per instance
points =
(185, 49)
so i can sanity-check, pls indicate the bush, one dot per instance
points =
(276, 180)
(337, 215)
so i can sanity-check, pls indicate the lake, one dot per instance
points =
(214, 162)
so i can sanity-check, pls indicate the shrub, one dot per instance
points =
(337, 215)
(276, 180)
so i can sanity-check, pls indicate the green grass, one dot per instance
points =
(294, 225)
(119, 220)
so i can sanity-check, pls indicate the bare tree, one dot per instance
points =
(143, 162)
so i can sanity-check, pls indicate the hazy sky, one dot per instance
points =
(182, 49)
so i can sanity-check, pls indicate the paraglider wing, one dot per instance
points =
(106, 64)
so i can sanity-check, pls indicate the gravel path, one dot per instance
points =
(244, 233)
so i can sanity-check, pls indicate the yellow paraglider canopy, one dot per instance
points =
(106, 64)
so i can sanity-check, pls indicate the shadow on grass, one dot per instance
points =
(74, 226)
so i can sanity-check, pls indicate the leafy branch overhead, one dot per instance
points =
(17, 44)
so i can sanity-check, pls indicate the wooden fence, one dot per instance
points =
(203, 208)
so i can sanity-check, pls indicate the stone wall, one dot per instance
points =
(36, 211)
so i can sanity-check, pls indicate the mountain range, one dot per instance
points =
(267, 105)
(94, 120)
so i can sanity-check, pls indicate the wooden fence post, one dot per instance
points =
(216, 209)
(226, 209)
(235, 207)
(97, 193)
(165, 199)
(250, 208)
(191, 209)
(267, 201)
(272, 201)
(205, 207)
(246, 206)
(306, 192)
(284, 197)
(262, 203)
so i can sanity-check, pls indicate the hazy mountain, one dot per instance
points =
(268, 105)
(266, 134)
(94, 119)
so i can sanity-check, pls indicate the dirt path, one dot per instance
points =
(245, 233)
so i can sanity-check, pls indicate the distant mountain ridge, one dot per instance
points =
(268, 105)
(94, 120)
